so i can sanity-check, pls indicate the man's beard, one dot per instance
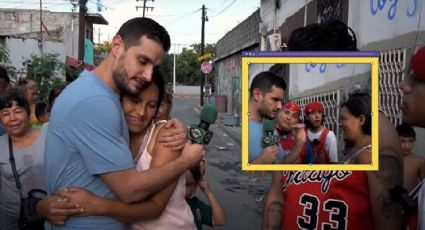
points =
(119, 76)
(263, 113)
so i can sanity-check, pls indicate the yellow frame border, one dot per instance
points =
(374, 61)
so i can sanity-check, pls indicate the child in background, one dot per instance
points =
(212, 214)
(41, 114)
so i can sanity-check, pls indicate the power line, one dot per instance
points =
(100, 4)
(190, 14)
(224, 9)
(224, 1)
(34, 3)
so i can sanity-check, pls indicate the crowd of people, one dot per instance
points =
(338, 199)
(111, 123)
(109, 155)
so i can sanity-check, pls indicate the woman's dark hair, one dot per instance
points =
(40, 109)
(7, 99)
(332, 35)
(196, 173)
(158, 80)
(53, 94)
(168, 96)
(360, 104)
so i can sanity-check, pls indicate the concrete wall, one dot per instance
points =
(378, 25)
(62, 26)
(228, 81)
(387, 24)
(184, 90)
(21, 49)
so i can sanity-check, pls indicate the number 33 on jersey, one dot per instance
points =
(326, 200)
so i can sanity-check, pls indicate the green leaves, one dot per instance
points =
(45, 69)
(188, 70)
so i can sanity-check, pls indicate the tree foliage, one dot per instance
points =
(5, 62)
(104, 47)
(188, 70)
(44, 69)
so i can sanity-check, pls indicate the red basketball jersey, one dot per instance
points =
(321, 155)
(326, 200)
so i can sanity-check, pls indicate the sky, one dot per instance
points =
(182, 18)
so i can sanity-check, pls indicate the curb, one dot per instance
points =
(229, 133)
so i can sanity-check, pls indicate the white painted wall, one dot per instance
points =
(308, 76)
(287, 8)
(378, 20)
(254, 69)
(20, 49)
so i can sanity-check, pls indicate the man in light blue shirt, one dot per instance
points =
(87, 139)
(266, 98)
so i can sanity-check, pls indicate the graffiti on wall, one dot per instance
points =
(391, 8)
(229, 69)
(309, 67)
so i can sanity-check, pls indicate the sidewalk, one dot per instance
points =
(234, 132)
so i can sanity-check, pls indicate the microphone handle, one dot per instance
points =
(204, 125)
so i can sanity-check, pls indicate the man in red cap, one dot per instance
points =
(413, 88)
(321, 139)
(292, 135)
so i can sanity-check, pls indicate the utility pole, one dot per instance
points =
(41, 27)
(81, 29)
(98, 37)
(144, 7)
(204, 14)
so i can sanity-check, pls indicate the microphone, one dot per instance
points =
(269, 138)
(199, 133)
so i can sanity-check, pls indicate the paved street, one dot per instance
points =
(240, 197)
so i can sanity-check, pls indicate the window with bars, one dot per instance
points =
(330, 101)
(392, 66)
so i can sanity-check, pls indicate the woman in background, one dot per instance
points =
(29, 89)
(28, 150)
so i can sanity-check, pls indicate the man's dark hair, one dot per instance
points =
(360, 104)
(7, 99)
(405, 130)
(332, 35)
(132, 30)
(40, 109)
(265, 81)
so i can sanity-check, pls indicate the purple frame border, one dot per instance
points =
(311, 54)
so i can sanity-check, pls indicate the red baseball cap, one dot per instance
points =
(292, 106)
(313, 106)
(417, 63)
